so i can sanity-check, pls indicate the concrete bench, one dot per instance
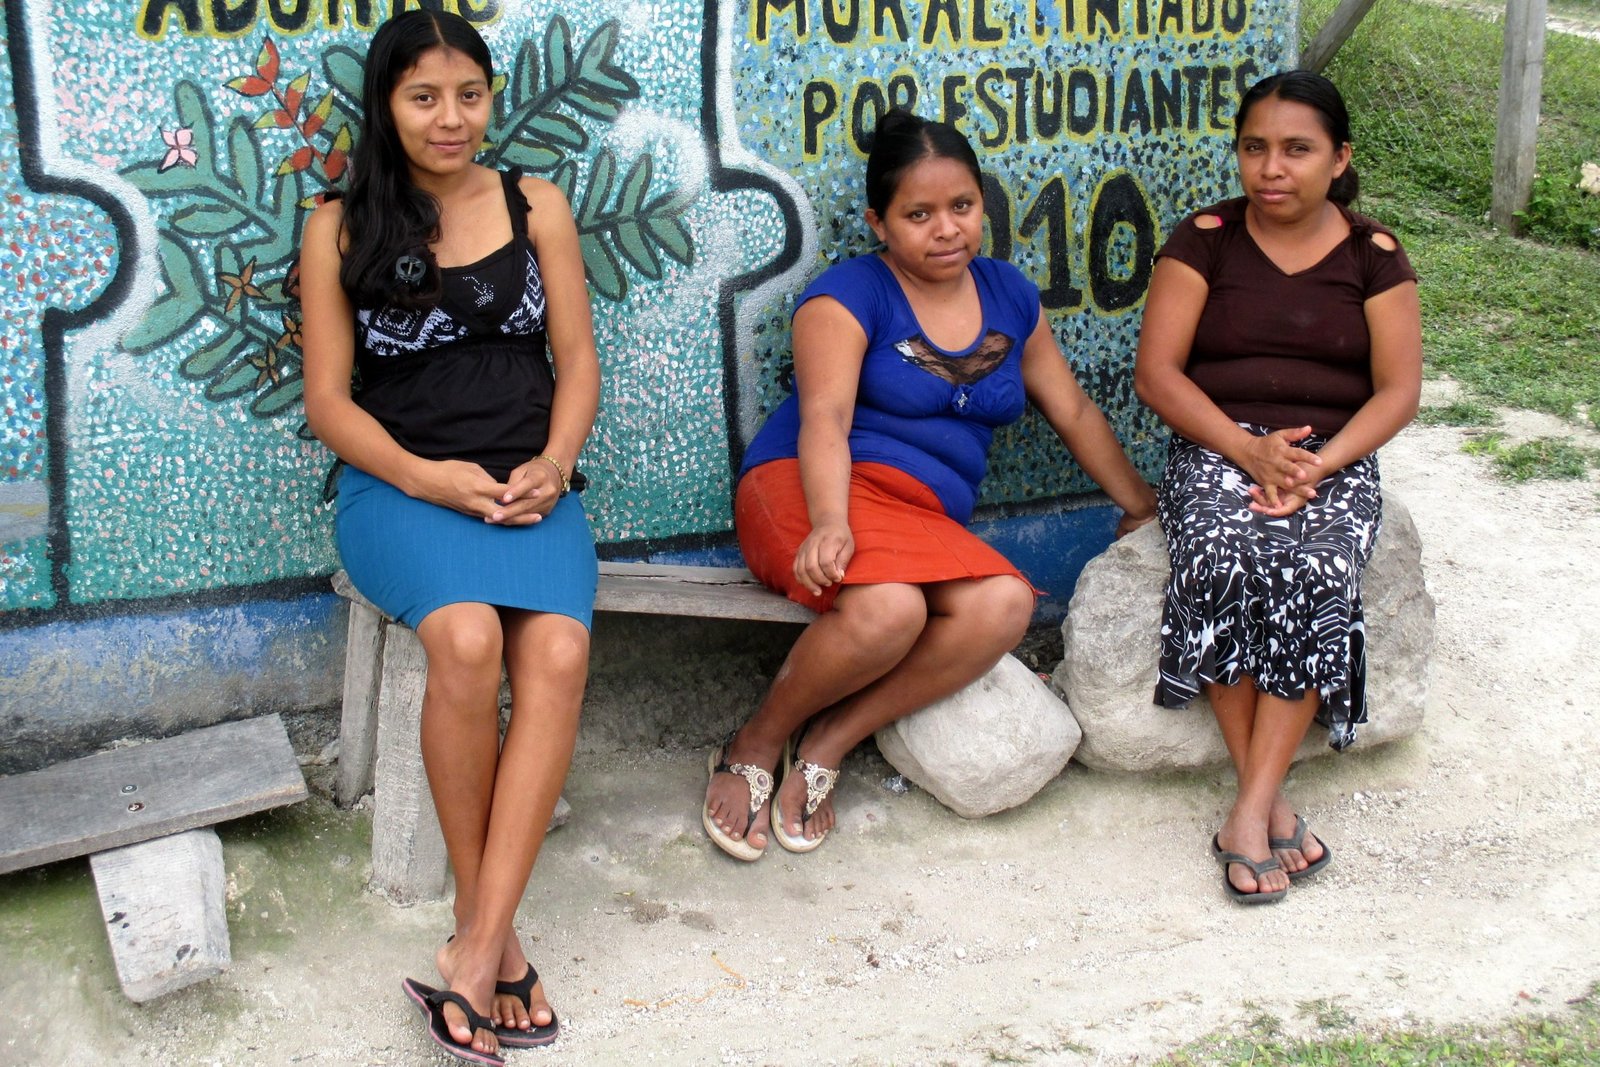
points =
(143, 815)
(380, 731)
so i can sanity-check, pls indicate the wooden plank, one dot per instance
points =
(722, 600)
(358, 723)
(668, 589)
(1334, 33)
(165, 911)
(144, 791)
(1517, 115)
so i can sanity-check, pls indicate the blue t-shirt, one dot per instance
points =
(921, 409)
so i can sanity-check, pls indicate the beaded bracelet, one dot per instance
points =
(566, 483)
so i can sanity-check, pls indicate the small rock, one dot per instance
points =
(896, 784)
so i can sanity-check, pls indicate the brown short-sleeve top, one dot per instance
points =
(1282, 349)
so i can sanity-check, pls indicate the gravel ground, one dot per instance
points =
(1087, 926)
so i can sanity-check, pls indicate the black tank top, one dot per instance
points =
(471, 378)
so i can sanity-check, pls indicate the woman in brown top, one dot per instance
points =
(1282, 343)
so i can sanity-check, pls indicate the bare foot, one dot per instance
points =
(474, 979)
(728, 795)
(1281, 826)
(1251, 841)
(509, 1011)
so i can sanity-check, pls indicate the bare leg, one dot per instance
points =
(460, 751)
(1262, 733)
(971, 624)
(1235, 709)
(546, 657)
(869, 630)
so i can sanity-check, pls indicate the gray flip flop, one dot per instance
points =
(1224, 857)
(1297, 842)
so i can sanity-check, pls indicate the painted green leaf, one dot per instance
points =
(595, 69)
(555, 128)
(557, 52)
(672, 235)
(566, 179)
(525, 73)
(174, 181)
(605, 272)
(532, 156)
(208, 220)
(634, 186)
(599, 190)
(278, 398)
(213, 357)
(343, 66)
(179, 308)
(245, 157)
(593, 104)
(635, 248)
(241, 379)
(168, 318)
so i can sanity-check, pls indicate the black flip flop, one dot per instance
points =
(431, 1002)
(511, 1036)
(1297, 842)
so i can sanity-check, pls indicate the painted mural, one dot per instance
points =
(158, 159)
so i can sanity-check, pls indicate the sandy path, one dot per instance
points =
(1088, 926)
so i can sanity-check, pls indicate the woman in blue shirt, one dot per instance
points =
(854, 496)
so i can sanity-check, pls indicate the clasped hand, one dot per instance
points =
(526, 497)
(823, 556)
(1285, 476)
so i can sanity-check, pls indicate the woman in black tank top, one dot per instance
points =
(448, 290)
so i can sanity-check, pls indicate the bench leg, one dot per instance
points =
(358, 724)
(408, 855)
(164, 906)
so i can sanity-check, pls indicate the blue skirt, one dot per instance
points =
(410, 557)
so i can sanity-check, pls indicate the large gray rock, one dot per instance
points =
(1111, 637)
(990, 746)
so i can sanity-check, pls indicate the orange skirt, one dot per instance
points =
(901, 532)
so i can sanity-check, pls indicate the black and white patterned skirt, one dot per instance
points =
(1274, 600)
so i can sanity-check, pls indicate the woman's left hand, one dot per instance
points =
(532, 492)
(1290, 499)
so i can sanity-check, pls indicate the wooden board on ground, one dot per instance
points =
(147, 790)
(165, 907)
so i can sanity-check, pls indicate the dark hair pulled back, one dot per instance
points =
(1319, 94)
(902, 139)
(386, 215)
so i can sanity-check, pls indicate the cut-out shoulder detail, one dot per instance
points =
(1207, 222)
(1384, 241)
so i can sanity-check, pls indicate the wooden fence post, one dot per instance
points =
(1517, 119)
(1334, 33)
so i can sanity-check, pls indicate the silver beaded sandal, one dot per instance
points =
(759, 779)
(819, 784)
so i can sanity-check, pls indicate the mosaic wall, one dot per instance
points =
(158, 159)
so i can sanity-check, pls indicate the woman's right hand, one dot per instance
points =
(460, 486)
(823, 556)
(1276, 464)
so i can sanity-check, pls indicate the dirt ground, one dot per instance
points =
(1089, 926)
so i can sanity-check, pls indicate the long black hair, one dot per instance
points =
(1321, 96)
(387, 217)
(902, 139)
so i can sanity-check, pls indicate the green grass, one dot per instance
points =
(1515, 321)
(1569, 1038)
(1422, 82)
(1458, 413)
